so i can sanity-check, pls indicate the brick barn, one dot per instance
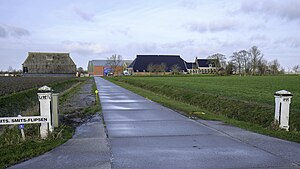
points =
(101, 67)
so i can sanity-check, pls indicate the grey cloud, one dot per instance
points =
(179, 44)
(256, 27)
(291, 42)
(122, 31)
(188, 4)
(288, 9)
(258, 38)
(7, 30)
(196, 27)
(213, 26)
(143, 47)
(3, 32)
(84, 15)
(18, 32)
(84, 47)
(222, 25)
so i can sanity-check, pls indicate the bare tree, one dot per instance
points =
(151, 68)
(245, 57)
(230, 68)
(255, 55)
(296, 68)
(241, 62)
(237, 61)
(114, 61)
(262, 66)
(161, 67)
(274, 66)
(80, 70)
(175, 69)
(10, 69)
(219, 60)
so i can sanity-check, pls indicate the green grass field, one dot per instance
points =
(249, 99)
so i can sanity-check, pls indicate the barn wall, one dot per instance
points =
(98, 70)
(49, 63)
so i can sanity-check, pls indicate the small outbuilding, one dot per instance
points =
(49, 64)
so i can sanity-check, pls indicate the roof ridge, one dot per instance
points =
(159, 55)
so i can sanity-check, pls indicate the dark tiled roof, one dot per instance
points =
(205, 62)
(141, 62)
(191, 65)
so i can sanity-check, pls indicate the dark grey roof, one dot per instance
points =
(205, 62)
(142, 61)
(191, 65)
(99, 62)
(104, 62)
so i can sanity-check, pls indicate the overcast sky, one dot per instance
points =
(96, 29)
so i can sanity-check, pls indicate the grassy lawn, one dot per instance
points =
(247, 102)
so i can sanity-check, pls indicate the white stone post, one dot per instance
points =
(282, 108)
(45, 95)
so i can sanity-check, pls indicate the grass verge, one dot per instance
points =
(15, 150)
(197, 112)
(13, 153)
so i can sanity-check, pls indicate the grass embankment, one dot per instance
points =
(14, 149)
(17, 103)
(246, 102)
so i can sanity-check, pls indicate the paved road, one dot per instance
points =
(144, 134)
(88, 149)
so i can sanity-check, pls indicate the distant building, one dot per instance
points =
(202, 66)
(48, 64)
(102, 68)
(192, 68)
(206, 65)
(141, 63)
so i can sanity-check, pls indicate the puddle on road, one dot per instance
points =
(123, 101)
(115, 97)
(111, 107)
(112, 94)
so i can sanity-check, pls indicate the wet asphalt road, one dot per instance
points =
(144, 134)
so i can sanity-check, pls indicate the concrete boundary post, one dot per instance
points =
(45, 97)
(55, 112)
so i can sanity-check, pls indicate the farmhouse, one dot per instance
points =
(192, 67)
(101, 67)
(206, 65)
(48, 64)
(143, 63)
(202, 66)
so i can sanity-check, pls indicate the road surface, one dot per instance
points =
(144, 134)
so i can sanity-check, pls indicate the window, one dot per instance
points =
(25, 70)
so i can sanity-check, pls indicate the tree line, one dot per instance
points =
(243, 63)
(246, 62)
